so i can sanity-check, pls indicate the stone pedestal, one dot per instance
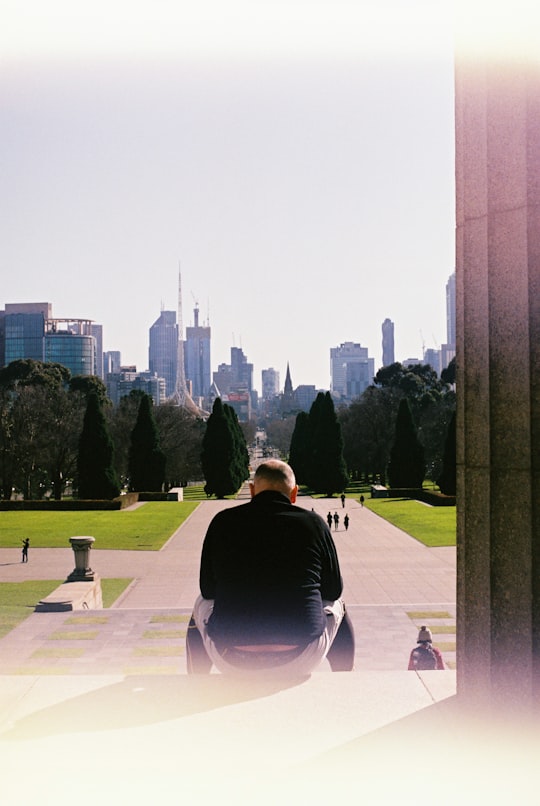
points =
(498, 381)
(81, 548)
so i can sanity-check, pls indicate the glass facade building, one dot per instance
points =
(23, 336)
(163, 349)
(197, 358)
(72, 350)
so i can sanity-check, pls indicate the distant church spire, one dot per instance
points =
(288, 388)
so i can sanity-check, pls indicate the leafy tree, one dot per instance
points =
(407, 464)
(279, 433)
(217, 456)
(95, 462)
(299, 452)
(328, 471)
(146, 459)
(447, 479)
(85, 384)
(181, 436)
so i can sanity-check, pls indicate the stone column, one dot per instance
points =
(498, 380)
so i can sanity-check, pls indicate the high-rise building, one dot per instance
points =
(451, 312)
(70, 342)
(28, 330)
(433, 358)
(242, 371)
(112, 361)
(197, 357)
(387, 343)
(163, 349)
(351, 369)
(22, 328)
(448, 350)
(97, 333)
(269, 383)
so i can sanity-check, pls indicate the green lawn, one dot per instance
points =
(433, 526)
(146, 528)
(18, 599)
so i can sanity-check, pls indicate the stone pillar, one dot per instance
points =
(81, 548)
(498, 380)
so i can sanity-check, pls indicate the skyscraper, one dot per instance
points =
(270, 383)
(197, 357)
(163, 349)
(451, 311)
(351, 368)
(70, 342)
(387, 343)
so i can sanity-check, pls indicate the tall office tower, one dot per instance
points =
(351, 369)
(270, 383)
(163, 349)
(70, 342)
(22, 329)
(433, 358)
(112, 361)
(242, 371)
(197, 357)
(448, 350)
(451, 311)
(387, 343)
(97, 333)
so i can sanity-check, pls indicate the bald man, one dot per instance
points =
(270, 587)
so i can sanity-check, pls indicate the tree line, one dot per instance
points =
(55, 427)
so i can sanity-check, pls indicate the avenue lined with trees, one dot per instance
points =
(61, 435)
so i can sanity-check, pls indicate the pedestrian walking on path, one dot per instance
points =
(329, 519)
(336, 520)
(343, 500)
(346, 522)
(362, 500)
(25, 545)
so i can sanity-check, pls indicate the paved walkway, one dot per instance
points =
(392, 583)
(96, 705)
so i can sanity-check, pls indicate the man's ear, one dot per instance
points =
(294, 493)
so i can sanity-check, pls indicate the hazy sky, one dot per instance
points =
(296, 158)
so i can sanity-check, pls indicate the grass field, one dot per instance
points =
(18, 599)
(146, 528)
(433, 526)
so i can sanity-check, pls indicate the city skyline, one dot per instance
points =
(299, 166)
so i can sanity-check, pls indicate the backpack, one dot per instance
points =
(424, 657)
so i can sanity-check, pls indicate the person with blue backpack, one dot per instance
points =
(425, 656)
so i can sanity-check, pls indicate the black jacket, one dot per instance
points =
(268, 565)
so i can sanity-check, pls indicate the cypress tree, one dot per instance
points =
(407, 465)
(218, 457)
(299, 451)
(146, 460)
(95, 460)
(447, 479)
(328, 471)
(240, 465)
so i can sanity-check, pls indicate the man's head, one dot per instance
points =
(275, 475)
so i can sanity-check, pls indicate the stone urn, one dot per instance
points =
(81, 548)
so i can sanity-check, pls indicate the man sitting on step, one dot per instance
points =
(270, 587)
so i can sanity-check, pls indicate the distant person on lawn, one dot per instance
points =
(270, 587)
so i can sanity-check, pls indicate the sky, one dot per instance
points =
(294, 159)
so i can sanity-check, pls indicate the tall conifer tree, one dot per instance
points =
(407, 465)
(95, 461)
(218, 457)
(328, 471)
(146, 462)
